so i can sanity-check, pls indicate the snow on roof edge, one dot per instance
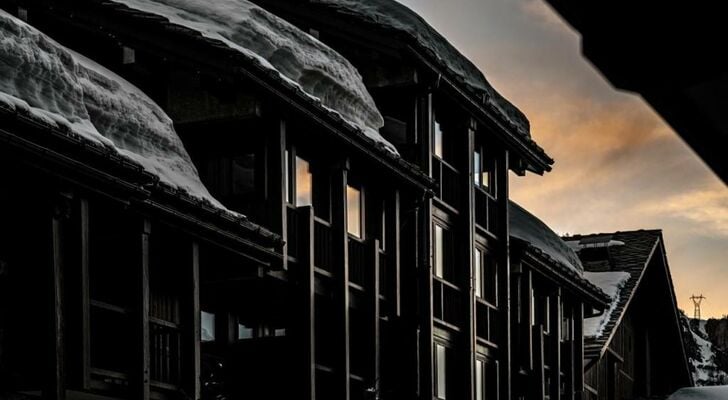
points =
(611, 283)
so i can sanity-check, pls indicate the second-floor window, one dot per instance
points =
(437, 139)
(299, 181)
(479, 379)
(486, 276)
(483, 170)
(354, 211)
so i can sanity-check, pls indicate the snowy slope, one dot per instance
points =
(701, 393)
(706, 372)
(296, 56)
(397, 17)
(529, 228)
(611, 283)
(44, 79)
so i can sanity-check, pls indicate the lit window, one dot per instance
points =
(441, 366)
(437, 139)
(303, 183)
(479, 380)
(353, 211)
(478, 266)
(207, 331)
(439, 256)
(289, 181)
(482, 169)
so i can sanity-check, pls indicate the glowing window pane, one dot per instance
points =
(441, 372)
(477, 169)
(439, 260)
(353, 211)
(303, 183)
(437, 139)
(479, 380)
(207, 322)
(478, 266)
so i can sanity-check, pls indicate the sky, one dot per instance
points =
(619, 166)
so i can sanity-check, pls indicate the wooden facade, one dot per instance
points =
(357, 274)
(640, 352)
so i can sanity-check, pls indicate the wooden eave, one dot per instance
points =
(97, 169)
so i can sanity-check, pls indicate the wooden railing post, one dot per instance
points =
(142, 381)
(340, 261)
(374, 310)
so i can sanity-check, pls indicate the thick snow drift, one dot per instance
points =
(527, 227)
(65, 89)
(396, 17)
(611, 283)
(701, 393)
(296, 56)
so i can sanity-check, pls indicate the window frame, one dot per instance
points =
(360, 235)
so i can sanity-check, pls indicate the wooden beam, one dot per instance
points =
(307, 321)
(275, 190)
(56, 384)
(579, 356)
(539, 377)
(394, 251)
(192, 370)
(340, 257)
(374, 312)
(504, 270)
(85, 296)
(556, 346)
(141, 386)
(467, 249)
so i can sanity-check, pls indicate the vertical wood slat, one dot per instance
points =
(308, 294)
(539, 376)
(503, 234)
(56, 381)
(276, 183)
(143, 356)
(468, 237)
(340, 249)
(424, 248)
(579, 356)
(374, 309)
(556, 346)
(394, 253)
(85, 297)
(192, 365)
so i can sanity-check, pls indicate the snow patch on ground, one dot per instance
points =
(701, 393)
(611, 283)
(529, 228)
(64, 89)
(395, 16)
(299, 58)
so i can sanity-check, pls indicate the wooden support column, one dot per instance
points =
(579, 351)
(467, 249)
(393, 248)
(56, 382)
(504, 271)
(142, 364)
(538, 374)
(276, 183)
(307, 321)
(374, 313)
(340, 255)
(571, 367)
(555, 344)
(85, 296)
(424, 265)
(192, 335)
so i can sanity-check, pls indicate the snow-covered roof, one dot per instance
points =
(611, 283)
(527, 227)
(701, 393)
(297, 57)
(67, 90)
(394, 16)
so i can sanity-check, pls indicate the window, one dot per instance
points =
(439, 256)
(565, 322)
(486, 276)
(483, 168)
(298, 181)
(244, 332)
(540, 314)
(479, 380)
(478, 266)
(437, 136)
(303, 183)
(441, 371)
(207, 327)
(354, 211)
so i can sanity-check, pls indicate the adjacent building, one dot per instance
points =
(634, 349)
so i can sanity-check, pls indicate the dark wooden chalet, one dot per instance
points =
(635, 350)
(550, 299)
